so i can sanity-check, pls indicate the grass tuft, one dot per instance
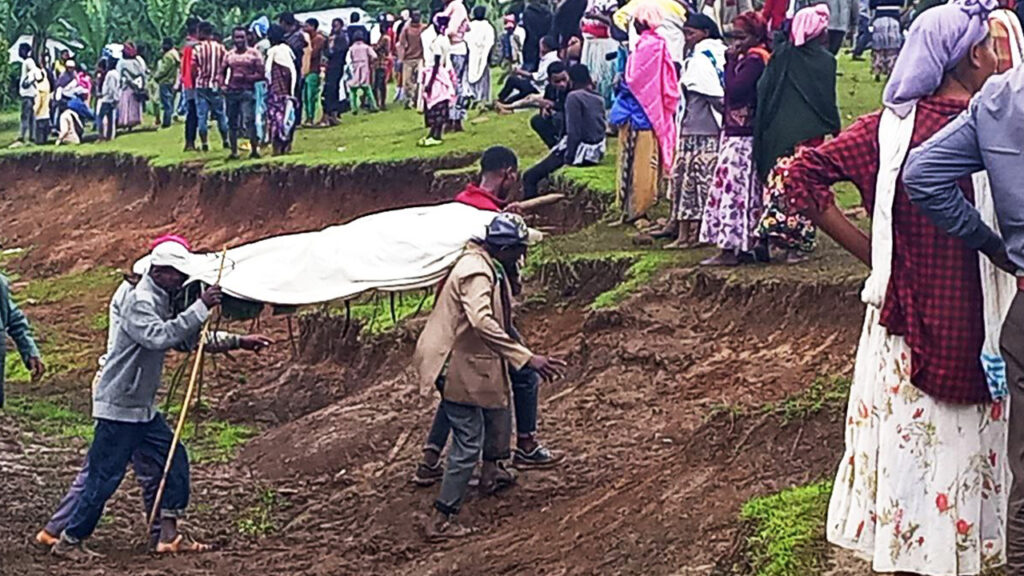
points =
(788, 530)
(257, 521)
(49, 418)
(68, 286)
(639, 274)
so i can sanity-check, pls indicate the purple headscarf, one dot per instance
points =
(939, 38)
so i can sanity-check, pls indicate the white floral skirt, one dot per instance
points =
(923, 484)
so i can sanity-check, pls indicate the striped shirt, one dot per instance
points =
(208, 63)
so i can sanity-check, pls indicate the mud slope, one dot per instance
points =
(651, 486)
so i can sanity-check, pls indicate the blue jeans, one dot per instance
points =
(167, 104)
(106, 121)
(211, 101)
(147, 472)
(114, 445)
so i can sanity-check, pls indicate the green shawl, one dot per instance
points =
(796, 101)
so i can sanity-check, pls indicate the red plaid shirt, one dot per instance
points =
(934, 295)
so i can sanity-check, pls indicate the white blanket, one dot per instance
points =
(391, 251)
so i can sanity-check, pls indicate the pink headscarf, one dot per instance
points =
(170, 238)
(651, 77)
(809, 23)
(650, 14)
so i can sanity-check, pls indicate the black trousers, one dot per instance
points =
(549, 128)
(515, 89)
(835, 40)
(539, 171)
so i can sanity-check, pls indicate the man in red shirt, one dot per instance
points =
(499, 177)
(207, 67)
(188, 85)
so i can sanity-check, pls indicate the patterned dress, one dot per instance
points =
(784, 229)
(694, 170)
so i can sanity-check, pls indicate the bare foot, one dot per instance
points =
(723, 259)
(182, 544)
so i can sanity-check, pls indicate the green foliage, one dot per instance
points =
(788, 530)
(166, 18)
(825, 393)
(43, 19)
(90, 22)
(257, 521)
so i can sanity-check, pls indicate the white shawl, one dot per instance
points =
(282, 55)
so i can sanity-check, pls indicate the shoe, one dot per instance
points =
(232, 156)
(45, 539)
(427, 475)
(205, 147)
(537, 459)
(76, 551)
(190, 147)
(225, 144)
(443, 527)
(254, 155)
(429, 142)
(503, 478)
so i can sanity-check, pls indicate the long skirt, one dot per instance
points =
(922, 486)
(734, 204)
(129, 110)
(480, 91)
(695, 165)
(639, 172)
(281, 118)
(460, 64)
(602, 70)
(784, 229)
(886, 41)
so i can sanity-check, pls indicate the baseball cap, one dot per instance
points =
(509, 229)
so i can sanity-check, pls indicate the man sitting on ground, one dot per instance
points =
(585, 124)
(124, 402)
(522, 84)
(549, 123)
(466, 340)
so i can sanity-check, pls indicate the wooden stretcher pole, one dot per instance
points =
(196, 368)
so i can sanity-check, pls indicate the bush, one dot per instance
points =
(7, 76)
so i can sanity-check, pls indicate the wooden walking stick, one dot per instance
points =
(197, 366)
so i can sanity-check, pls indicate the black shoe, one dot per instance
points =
(73, 551)
(190, 147)
(427, 475)
(205, 147)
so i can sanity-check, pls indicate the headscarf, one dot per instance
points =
(809, 23)
(260, 26)
(796, 100)
(652, 78)
(129, 50)
(703, 22)
(754, 25)
(937, 41)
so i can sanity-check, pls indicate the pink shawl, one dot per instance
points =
(652, 79)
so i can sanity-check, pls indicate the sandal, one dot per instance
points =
(182, 544)
(449, 529)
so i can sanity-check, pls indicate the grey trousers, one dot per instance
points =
(1012, 344)
(467, 444)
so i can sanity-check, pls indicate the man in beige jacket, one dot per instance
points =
(466, 351)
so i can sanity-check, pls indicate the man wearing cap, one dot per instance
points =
(466, 351)
(124, 401)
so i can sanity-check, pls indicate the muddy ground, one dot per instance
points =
(661, 414)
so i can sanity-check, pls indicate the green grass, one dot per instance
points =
(788, 530)
(49, 418)
(391, 136)
(639, 274)
(257, 521)
(825, 393)
(69, 286)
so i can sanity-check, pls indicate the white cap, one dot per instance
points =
(174, 255)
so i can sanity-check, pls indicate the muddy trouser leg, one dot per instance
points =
(155, 445)
(467, 441)
(497, 435)
(148, 471)
(439, 430)
(1012, 345)
(60, 518)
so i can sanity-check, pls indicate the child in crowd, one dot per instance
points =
(361, 57)
(438, 81)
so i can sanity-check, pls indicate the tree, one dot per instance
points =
(91, 25)
(167, 17)
(43, 19)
